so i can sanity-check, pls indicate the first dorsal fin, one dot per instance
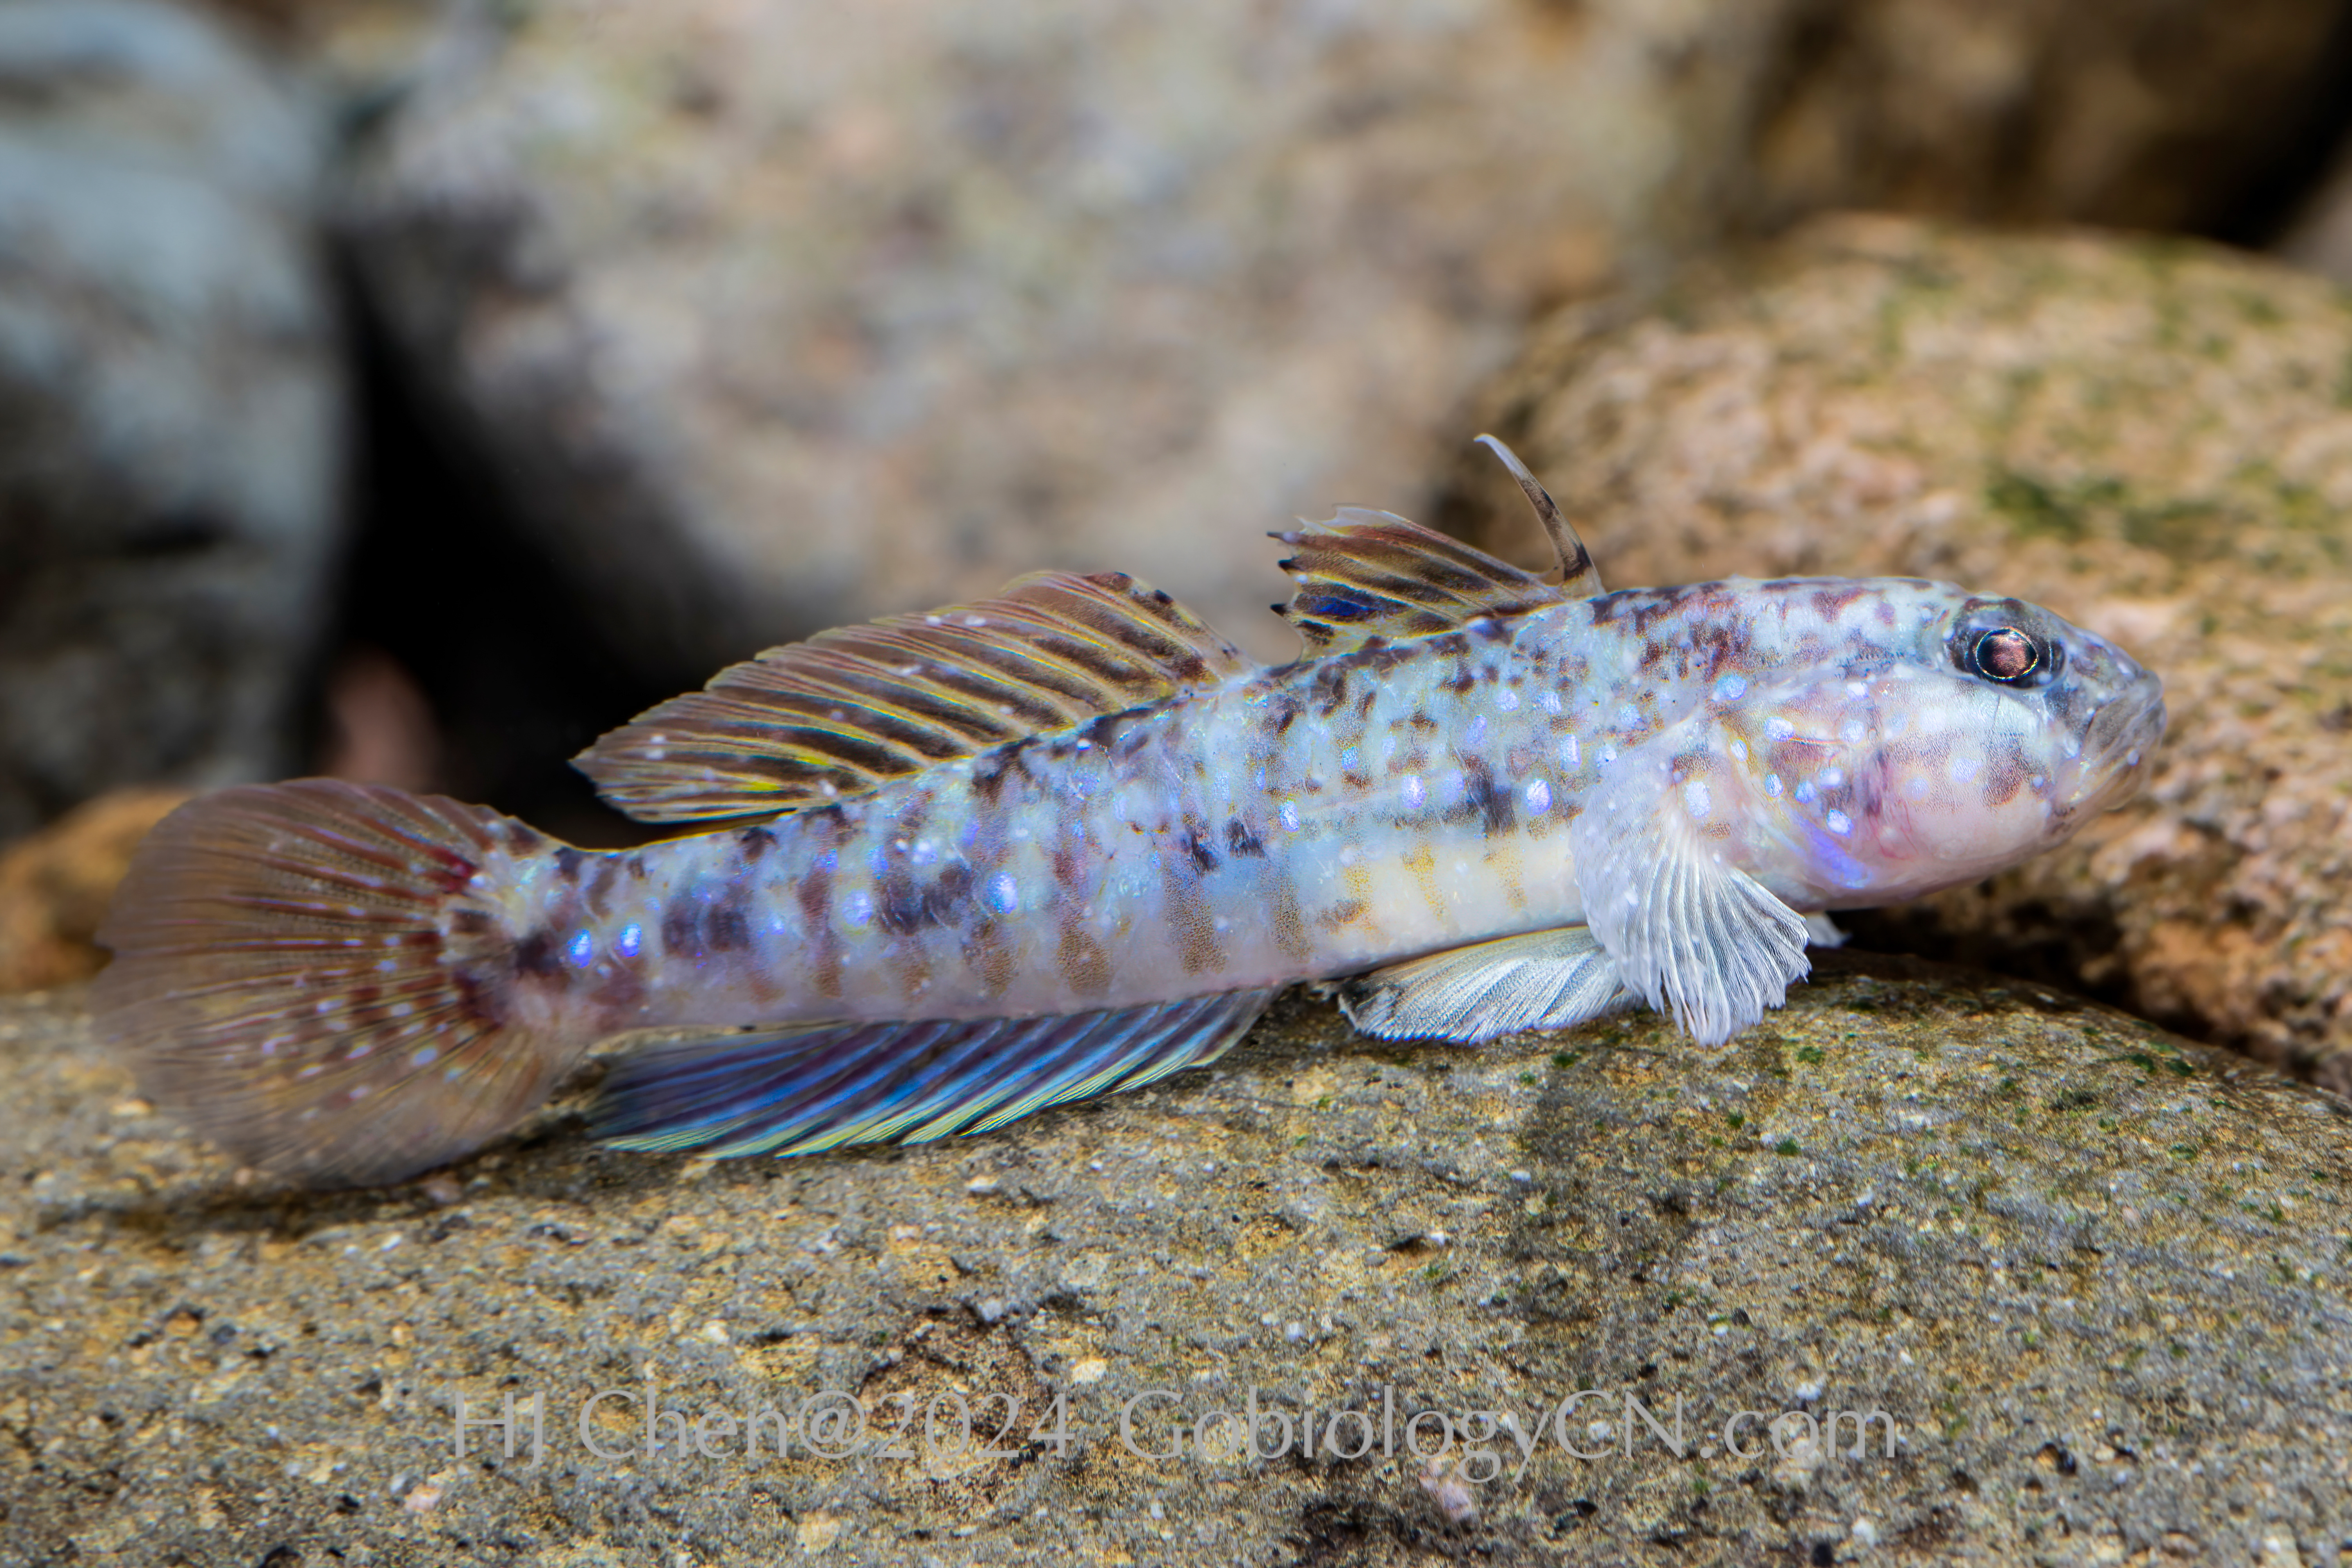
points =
(1579, 577)
(1367, 578)
(836, 715)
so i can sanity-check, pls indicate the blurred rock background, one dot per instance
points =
(173, 389)
(412, 391)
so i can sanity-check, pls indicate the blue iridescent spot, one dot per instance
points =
(633, 936)
(582, 949)
(1730, 688)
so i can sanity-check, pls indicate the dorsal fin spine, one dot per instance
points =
(1579, 577)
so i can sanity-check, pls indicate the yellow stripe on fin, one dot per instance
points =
(850, 708)
(1368, 578)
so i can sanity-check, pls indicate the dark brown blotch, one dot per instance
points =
(900, 907)
(1329, 687)
(727, 927)
(988, 773)
(907, 906)
(1086, 967)
(600, 886)
(535, 955)
(2004, 778)
(1493, 802)
(814, 893)
(1196, 844)
(681, 926)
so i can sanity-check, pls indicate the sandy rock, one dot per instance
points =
(2094, 1276)
(2153, 439)
(55, 886)
(170, 402)
(776, 316)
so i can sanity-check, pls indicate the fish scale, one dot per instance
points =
(990, 857)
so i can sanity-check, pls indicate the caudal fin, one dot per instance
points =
(318, 976)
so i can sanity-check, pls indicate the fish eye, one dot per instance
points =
(2007, 655)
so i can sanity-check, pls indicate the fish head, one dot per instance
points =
(1933, 746)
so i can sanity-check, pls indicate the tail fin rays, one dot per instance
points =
(312, 975)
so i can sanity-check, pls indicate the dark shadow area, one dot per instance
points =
(2037, 945)
(440, 579)
(2306, 141)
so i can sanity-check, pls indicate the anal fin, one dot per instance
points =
(1541, 980)
(801, 1090)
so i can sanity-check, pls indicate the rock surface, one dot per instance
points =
(772, 317)
(2153, 439)
(2095, 1277)
(170, 402)
(55, 886)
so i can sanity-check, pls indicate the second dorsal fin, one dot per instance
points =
(836, 715)
(1366, 578)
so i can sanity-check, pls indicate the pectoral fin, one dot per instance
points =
(1689, 931)
(1543, 980)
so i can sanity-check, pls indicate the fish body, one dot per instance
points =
(1068, 840)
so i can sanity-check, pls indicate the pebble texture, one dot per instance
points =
(55, 886)
(171, 403)
(2097, 1277)
(776, 316)
(2153, 439)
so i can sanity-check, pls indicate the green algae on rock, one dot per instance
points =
(2095, 1277)
(2152, 437)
